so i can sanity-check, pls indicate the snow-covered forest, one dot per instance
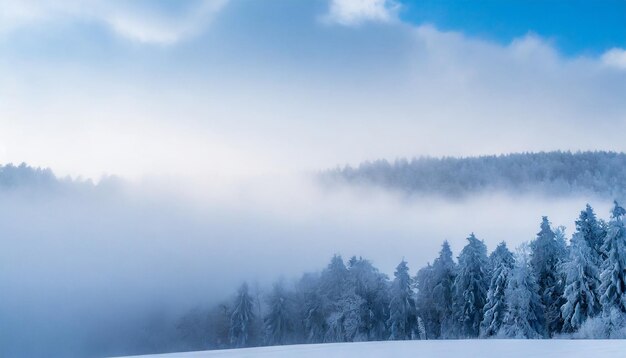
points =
(550, 173)
(549, 287)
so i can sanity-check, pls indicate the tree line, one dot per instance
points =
(547, 288)
(554, 173)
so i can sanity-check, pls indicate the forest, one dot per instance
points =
(550, 287)
(555, 173)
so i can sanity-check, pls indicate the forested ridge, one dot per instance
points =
(546, 288)
(553, 173)
(26, 176)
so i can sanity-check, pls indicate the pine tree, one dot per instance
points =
(471, 287)
(402, 312)
(310, 309)
(332, 291)
(581, 284)
(502, 262)
(279, 325)
(592, 232)
(345, 320)
(315, 324)
(424, 301)
(547, 254)
(524, 315)
(333, 279)
(613, 276)
(442, 293)
(242, 319)
(373, 289)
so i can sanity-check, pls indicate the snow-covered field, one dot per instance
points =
(437, 349)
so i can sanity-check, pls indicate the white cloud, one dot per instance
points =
(409, 91)
(127, 19)
(355, 12)
(615, 57)
(133, 24)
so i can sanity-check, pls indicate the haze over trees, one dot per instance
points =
(351, 300)
(547, 288)
(548, 173)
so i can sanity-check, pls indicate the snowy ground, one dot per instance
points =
(436, 349)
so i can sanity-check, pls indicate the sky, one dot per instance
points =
(214, 112)
(224, 89)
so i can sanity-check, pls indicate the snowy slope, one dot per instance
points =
(437, 349)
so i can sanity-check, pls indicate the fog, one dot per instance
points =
(109, 269)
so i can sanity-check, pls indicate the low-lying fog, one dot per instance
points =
(106, 271)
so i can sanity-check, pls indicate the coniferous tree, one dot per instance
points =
(313, 315)
(471, 287)
(344, 321)
(279, 321)
(402, 312)
(524, 315)
(581, 284)
(547, 254)
(373, 289)
(444, 272)
(436, 293)
(333, 279)
(593, 232)
(332, 291)
(424, 301)
(613, 276)
(502, 262)
(242, 319)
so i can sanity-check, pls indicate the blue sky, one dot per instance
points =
(574, 26)
(160, 87)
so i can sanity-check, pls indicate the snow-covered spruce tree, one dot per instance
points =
(548, 251)
(524, 315)
(320, 299)
(471, 287)
(373, 289)
(242, 319)
(444, 274)
(402, 313)
(311, 309)
(502, 262)
(279, 320)
(593, 232)
(426, 310)
(333, 279)
(613, 276)
(344, 320)
(332, 288)
(435, 295)
(582, 300)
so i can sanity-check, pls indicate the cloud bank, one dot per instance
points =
(143, 21)
(268, 83)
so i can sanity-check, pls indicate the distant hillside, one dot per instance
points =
(12, 176)
(24, 176)
(553, 173)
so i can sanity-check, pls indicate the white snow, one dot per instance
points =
(493, 348)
